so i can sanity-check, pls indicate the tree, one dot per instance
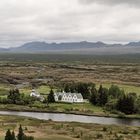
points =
(13, 136)
(14, 95)
(84, 89)
(51, 97)
(103, 95)
(67, 88)
(115, 92)
(94, 96)
(126, 104)
(8, 135)
(137, 104)
(20, 133)
(20, 136)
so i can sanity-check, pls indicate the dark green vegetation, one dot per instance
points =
(49, 130)
(112, 99)
(50, 98)
(20, 135)
(14, 97)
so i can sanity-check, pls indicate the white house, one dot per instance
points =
(37, 95)
(68, 97)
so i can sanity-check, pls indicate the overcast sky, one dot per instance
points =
(68, 20)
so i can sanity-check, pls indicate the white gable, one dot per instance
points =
(68, 97)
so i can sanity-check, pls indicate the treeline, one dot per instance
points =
(111, 99)
(83, 88)
(15, 97)
(20, 136)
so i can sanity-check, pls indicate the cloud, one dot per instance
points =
(68, 20)
(112, 2)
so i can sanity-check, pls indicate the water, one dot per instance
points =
(74, 118)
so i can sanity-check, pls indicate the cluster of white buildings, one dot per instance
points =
(61, 97)
(68, 97)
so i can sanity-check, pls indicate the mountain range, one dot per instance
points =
(74, 47)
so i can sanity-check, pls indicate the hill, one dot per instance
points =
(83, 47)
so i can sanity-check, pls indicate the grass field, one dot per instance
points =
(48, 130)
(44, 89)
(126, 88)
(85, 109)
(41, 89)
(58, 107)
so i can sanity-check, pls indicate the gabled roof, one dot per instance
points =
(79, 95)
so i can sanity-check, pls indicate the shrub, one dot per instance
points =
(99, 136)
(104, 129)
(126, 104)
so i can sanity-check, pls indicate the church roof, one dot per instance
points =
(79, 95)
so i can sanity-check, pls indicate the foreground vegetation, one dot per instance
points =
(49, 130)
(20, 136)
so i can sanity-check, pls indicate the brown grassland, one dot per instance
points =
(49, 130)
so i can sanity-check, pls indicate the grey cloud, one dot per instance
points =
(67, 20)
(112, 2)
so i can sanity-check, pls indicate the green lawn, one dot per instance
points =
(4, 89)
(41, 89)
(84, 107)
(45, 89)
(126, 88)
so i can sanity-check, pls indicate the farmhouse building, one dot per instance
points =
(68, 97)
(37, 95)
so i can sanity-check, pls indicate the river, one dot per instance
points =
(60, 117)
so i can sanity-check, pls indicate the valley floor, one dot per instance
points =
(49, 130)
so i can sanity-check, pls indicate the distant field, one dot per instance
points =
(126, 88)
(44, 70)
(44, 90)
(70, 58)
